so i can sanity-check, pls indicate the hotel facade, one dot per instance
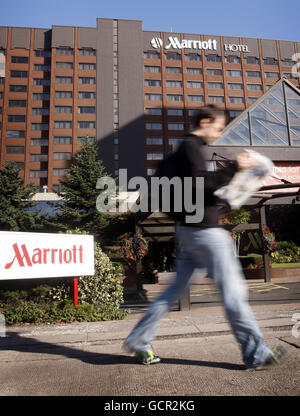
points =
(135, 92)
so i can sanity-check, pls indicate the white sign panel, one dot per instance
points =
(37, 255)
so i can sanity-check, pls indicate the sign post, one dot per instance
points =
(74, 290)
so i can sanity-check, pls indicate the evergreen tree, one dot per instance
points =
(80, 193)
(15, 204)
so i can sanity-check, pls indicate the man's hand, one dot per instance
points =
(244, 160)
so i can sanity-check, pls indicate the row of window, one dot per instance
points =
(47, 54)
(215, 58)
(19, 118)
(58, 79)
(210, 71)
(58, 94)
(194, 98)
(65, 65)
(199, 84)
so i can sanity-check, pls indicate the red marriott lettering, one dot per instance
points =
(46, 256)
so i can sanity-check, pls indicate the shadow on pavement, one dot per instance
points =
(31, 345)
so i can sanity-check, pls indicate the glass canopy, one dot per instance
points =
(274, 120)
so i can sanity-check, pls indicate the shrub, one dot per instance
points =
(286, 252)
(104, 288)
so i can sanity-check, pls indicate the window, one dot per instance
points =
(1, 95)
(38, 157)
(63, 94)
(62, 156)
(155, 156)
(16, 118)
(86, 125)
(176, 126)
(193, 58)
(12, 134)
(195, 98)
(234, 113)
(236, 100)
(153, 97)
(83, 139)
(86, 110)
(45, 54)
(194, 84)
(19, 74)
(234, 86)
(252, 61)
(60, 172)
(62, 124)
(64, 80)
(18, 88)
(194, 71)
(40, 111)
(215, 99)
(40, 96)
(64, 51)
(87, 52)
(271, 74)
(38, 174)
(252, 100)
(64, 65)
(86, 95)
(153, 111)
(214, 72)
(16, 103)
(14, 149)
(288, 63)
(40, 67)
(152, 82)
(39, 142)
(63, 109)
(19, 59)
(154, 140)
(215, 85)
(174, 84)
(39, 126)
(150, 171)
(41, 81)
(174, 141)
(192, 112)
(175, 112)
(87, 66)
(254, 87)
(173, 70)
(253, 74)
(87, 80)
(153, 126)
(233, 73)
(288, 75)
(62, 140)
(151, 55)
(152, 69)
(173, 57)
(233, 59)
(174, 97)
(270, 61)
(213, 58)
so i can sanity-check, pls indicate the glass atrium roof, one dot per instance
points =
(273, 120)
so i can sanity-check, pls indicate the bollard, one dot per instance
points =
(185, 302)
(2, 326)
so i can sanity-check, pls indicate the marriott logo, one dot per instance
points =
(23, 257)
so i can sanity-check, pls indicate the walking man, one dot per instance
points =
(206, 245)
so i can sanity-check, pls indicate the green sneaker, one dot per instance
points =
(147, 357)
(277, 354)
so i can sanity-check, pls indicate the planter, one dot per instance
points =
(274, 273)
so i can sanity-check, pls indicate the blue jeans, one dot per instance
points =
(211, 249)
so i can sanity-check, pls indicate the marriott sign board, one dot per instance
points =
(38, 255)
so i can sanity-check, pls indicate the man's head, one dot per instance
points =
(209, 123)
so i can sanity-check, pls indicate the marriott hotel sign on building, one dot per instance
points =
(37, 255)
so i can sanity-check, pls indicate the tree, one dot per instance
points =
(80, 193)
(16, 212)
